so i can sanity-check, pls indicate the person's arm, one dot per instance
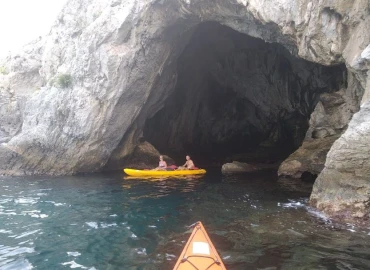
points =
(165, 164)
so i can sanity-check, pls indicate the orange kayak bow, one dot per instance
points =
(199, 252)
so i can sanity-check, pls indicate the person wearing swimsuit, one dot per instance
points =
(162, 165)
(189, 164)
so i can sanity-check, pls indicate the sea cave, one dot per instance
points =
(236, 96)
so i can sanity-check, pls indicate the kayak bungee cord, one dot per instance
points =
(185, 258)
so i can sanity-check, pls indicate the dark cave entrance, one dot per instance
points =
(238, 96)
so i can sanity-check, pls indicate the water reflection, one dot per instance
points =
(163, 186)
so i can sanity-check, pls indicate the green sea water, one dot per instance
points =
(106, 221)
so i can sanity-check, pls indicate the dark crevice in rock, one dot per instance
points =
(238, 94)
(309, 177)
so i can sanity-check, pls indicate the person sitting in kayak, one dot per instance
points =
(162, 165)
(189, 164)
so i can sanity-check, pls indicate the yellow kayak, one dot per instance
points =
(199, 252)
(163, 177)
(134, 172)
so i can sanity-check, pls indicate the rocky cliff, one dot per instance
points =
(80, 98)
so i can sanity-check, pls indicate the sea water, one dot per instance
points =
(108, 221)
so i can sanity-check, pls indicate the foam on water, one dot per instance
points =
(74, 253)
(93, 225)
(54, 203)
(170, 257)
(318, 214)
(26, 200)
(293, 204)
(73, 264)
(296, 204)
(27, 212)
(39, 216)
(141, 251)
(106, 225)
(103, 225)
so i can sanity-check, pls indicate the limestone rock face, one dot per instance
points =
(310, 157)
(121, 57)
(145, 156)
(19, 79)
(328, 121)
(10, 116)
(342, 189)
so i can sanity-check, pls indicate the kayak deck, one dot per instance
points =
(134, 172)
(199, 252)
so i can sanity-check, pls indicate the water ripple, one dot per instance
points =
(26, 200)
(10, 257)
(114, 223)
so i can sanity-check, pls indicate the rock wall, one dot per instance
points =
(343, 187)
(120, 57)
(19, 79)
(328, 121)
(144, 156)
